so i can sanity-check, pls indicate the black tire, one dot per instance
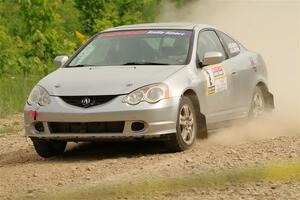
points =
(48, 148)
(258, 106)
(176, 141)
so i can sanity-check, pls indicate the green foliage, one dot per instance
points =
(101, 14)
(42, 29)
(6, 52)
(33, 32)
(37, 15)
(97, 15)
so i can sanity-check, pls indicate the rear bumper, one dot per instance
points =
(159, 119)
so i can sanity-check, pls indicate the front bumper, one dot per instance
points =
(159, 118)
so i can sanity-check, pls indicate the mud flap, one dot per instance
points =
(202, 127)
(269, 99)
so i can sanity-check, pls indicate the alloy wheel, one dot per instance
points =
(258, 105)
(186, 122)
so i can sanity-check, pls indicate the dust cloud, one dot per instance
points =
(271, 28)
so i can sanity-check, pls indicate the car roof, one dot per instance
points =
(183, 26)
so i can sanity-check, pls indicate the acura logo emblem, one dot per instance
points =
(86, 101)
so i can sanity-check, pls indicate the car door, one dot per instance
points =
(241, 74)
(218, 85)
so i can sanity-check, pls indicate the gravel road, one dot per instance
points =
(23, 174)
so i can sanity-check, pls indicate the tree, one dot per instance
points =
(43, 35)
(6, 51)
(97, 15)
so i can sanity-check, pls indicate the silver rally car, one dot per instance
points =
(168, 81)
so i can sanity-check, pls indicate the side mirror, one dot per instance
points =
(59, 61)
(211, 58)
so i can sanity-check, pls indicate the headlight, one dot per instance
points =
(39, 96)
(151, 94)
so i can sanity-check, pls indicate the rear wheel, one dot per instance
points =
(257, 105)
(186, 128)
(48, 148)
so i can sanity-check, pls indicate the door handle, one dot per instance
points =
(234, 73)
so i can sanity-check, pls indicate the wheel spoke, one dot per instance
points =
(186, 111)
(184, 134)
(182, 120)
(191, 121)
(258, 105)
(189, 134)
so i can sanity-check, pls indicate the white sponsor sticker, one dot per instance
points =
(233, 47)
(156, 32)
(85, 53)
(216, 80)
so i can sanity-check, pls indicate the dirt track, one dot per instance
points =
(24, 174)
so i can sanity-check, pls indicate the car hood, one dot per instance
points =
(104, 80)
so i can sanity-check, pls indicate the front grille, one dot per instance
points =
(90, 127)
(87, 101)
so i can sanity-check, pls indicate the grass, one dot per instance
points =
(137, 188)
(9, 129)
(5, 130)
(14, 92)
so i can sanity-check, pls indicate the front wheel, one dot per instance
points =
(186, 127)
(258, 104)
(48, 148)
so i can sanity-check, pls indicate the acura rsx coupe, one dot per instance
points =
(164, 81)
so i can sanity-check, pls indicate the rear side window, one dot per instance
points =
(231, 45)
(208, 41)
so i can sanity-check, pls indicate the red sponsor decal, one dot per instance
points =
(120, 33)
(217, 71)
(253, 65)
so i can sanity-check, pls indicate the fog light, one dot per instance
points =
(137, 126)
(39, 126)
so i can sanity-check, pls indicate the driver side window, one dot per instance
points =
(208, 41)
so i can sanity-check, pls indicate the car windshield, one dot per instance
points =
(139, 47)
